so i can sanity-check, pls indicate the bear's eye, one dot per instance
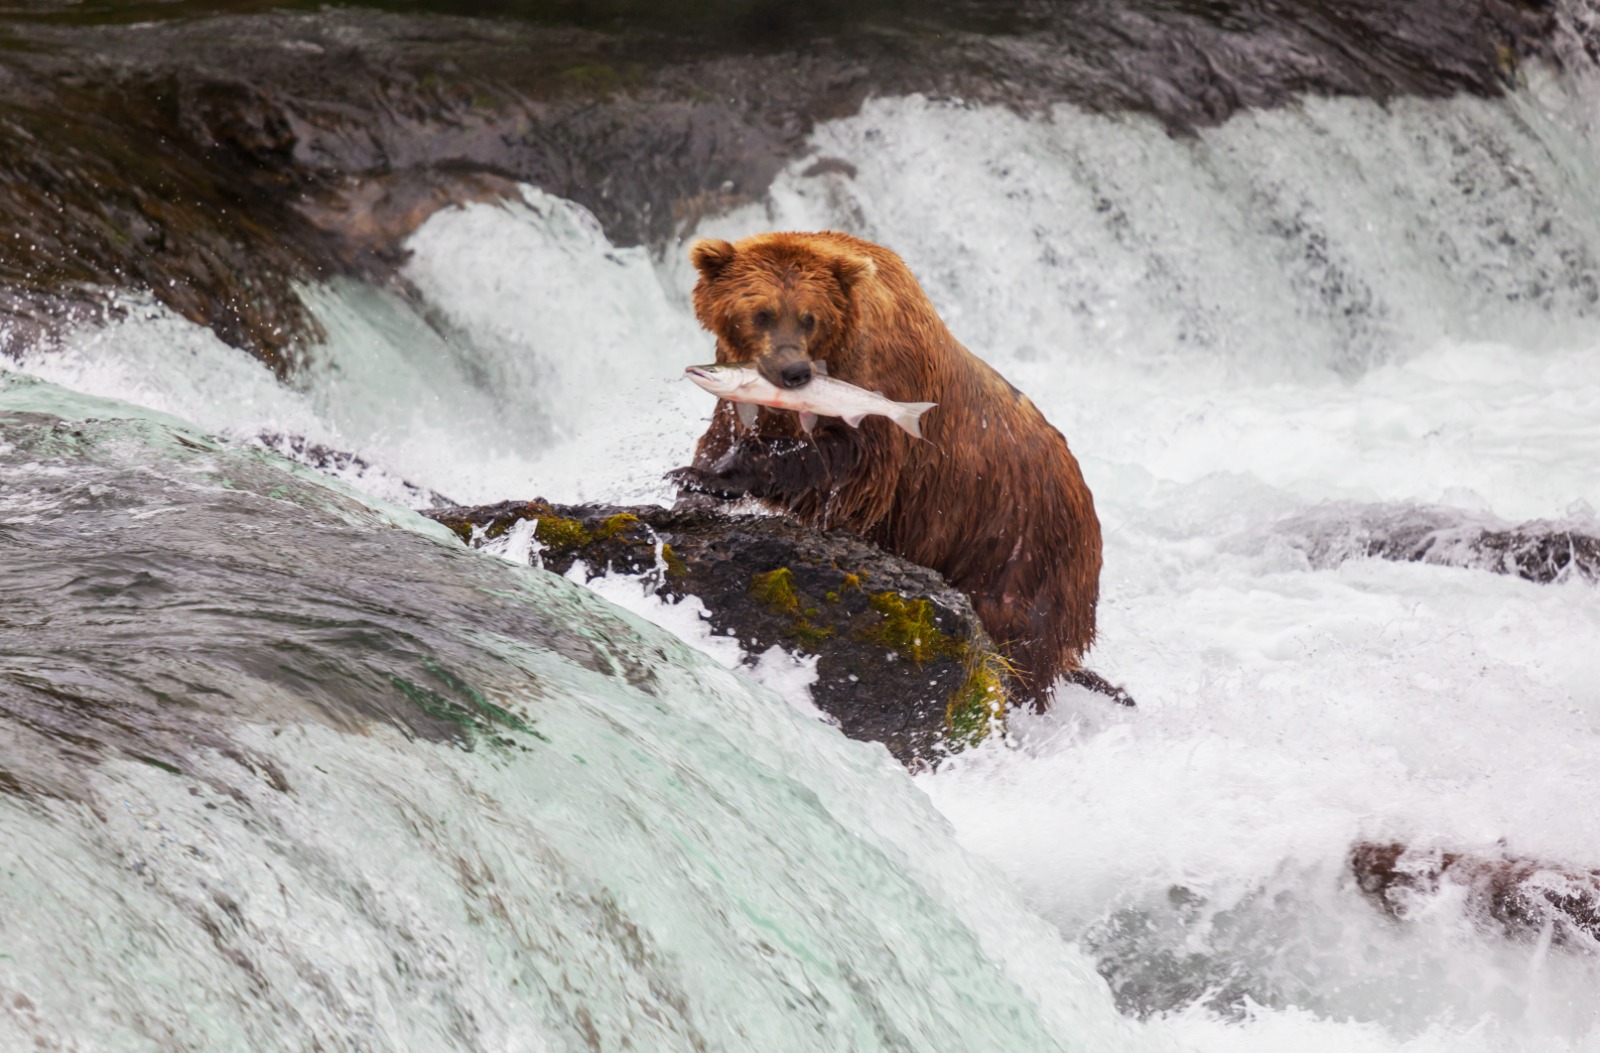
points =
(807, 322)
(763, 319)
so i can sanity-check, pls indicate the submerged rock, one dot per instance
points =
(1538, 551)
(901, 657)
(1520, 897)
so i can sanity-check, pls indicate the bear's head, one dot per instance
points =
(779, 302)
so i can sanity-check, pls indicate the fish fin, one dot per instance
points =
(908, 416)
(820, 367)
(808, 421)
(854, 419)
(747, 414)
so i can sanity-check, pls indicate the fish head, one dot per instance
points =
(717, 378)
(779, 302)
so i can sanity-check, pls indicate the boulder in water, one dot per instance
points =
(902, 658)
(1522, 897)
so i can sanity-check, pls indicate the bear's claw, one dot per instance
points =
(701, 482)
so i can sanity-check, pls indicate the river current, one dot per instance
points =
(285, 767)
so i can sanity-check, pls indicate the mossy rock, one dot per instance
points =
(901, 657)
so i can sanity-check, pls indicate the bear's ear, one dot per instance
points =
(711, 256)
(853, 269)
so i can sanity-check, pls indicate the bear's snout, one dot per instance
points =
(795, 374)
(786, 366)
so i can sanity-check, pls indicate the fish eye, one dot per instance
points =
(808, 322)
(763, 318)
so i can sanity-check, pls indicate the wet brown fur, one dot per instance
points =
(993, 499)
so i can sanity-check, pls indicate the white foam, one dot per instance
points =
(785, 673)
(151, 357)
(573, 334)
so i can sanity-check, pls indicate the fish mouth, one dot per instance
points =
(698, 371)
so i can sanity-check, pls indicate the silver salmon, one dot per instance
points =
(821, 396)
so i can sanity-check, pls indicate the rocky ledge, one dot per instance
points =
(901, 657)
(219, 156)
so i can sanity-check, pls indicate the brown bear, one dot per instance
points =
(991, 497)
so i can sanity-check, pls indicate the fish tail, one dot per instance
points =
(908, 414)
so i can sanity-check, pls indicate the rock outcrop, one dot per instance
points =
(901, 657)
(1538, 551)
(1520, 897)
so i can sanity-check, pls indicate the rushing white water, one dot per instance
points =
(1331, 302)
(278, 775)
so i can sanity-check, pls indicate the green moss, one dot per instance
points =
(809, 634)
(831, 597)
(908, 629)
(611, 526)
(676, 567)
(980, 703)
(775, 588)
(560, 534)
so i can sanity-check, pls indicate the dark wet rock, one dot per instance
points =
(901, 657)
(216, 161)
(1520, 897)
(1538, 551)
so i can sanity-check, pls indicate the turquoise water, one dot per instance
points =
(286, 768)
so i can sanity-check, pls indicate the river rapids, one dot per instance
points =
(284, 766)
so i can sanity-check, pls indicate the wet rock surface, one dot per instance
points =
(901, 657)
(218, 155)
(1538, 551)
(1523, 898)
